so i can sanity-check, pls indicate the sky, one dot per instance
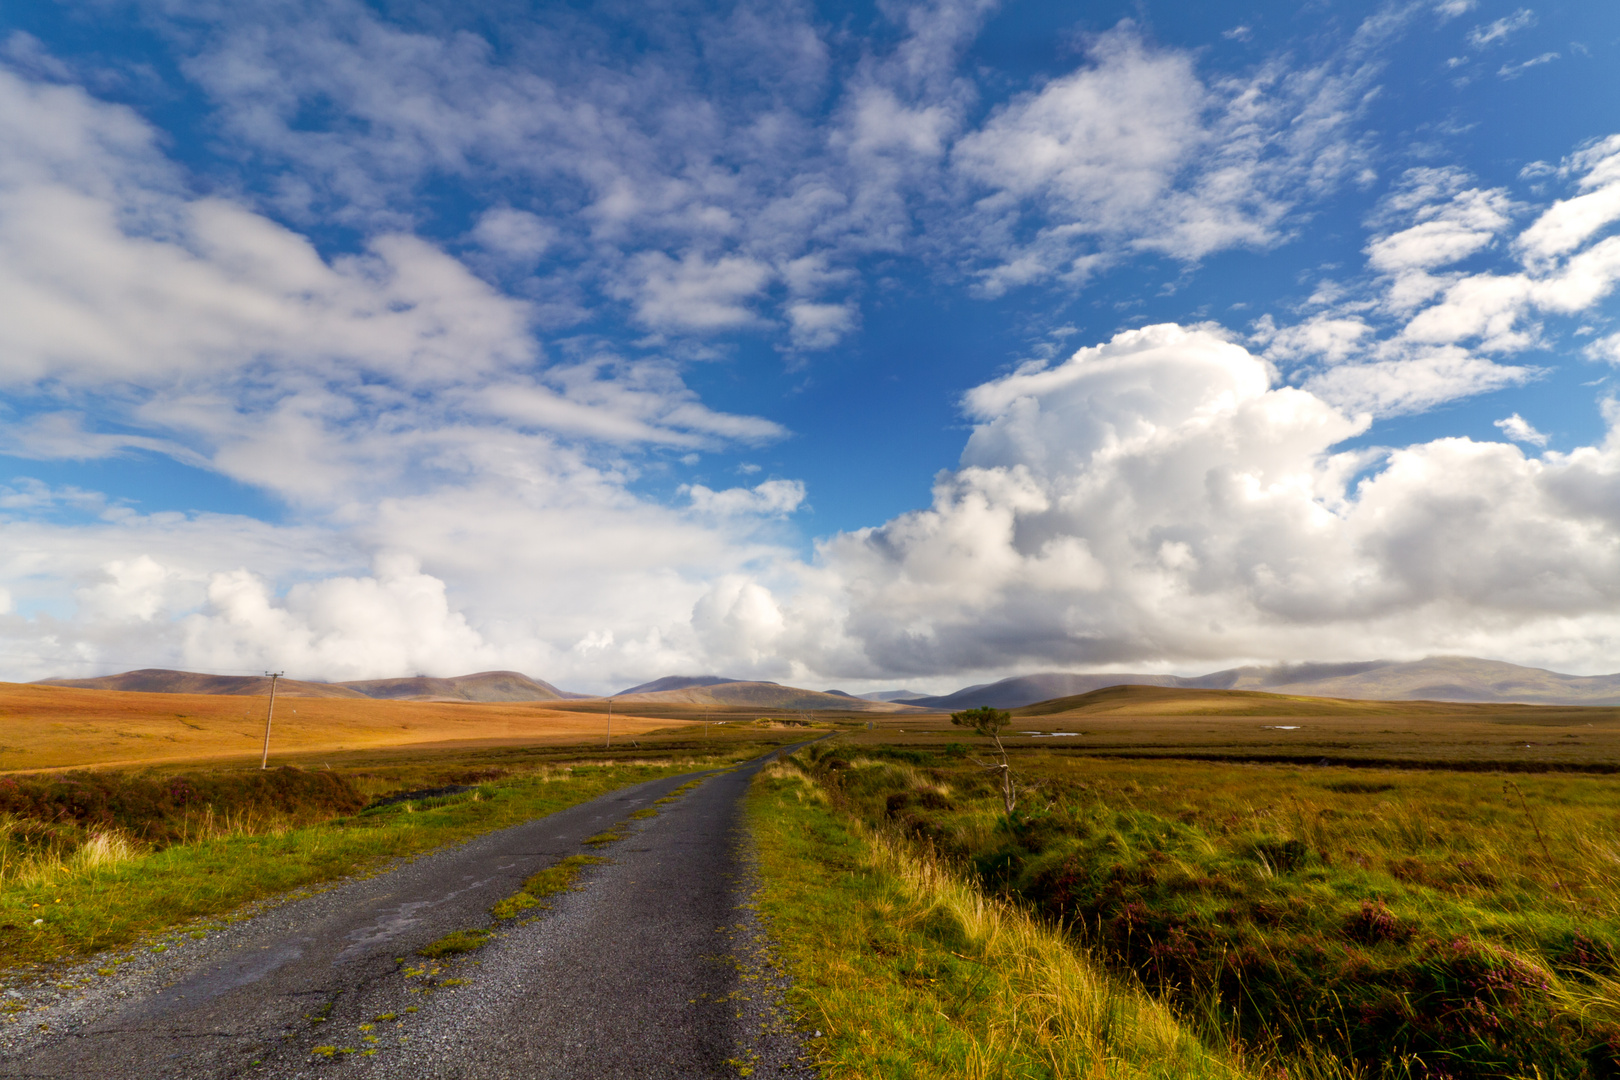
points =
(840, 345)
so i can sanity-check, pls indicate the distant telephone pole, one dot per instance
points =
(264, 763)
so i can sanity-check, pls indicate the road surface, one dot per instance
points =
(654, 967)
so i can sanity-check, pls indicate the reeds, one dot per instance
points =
(1071, 1012)
(27, 864)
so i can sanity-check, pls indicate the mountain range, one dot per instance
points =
(1438, 678)
(484, 686)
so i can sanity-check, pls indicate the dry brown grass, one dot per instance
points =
(53, 727)
(1164, 722)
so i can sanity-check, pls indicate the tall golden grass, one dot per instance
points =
(1034, 1006)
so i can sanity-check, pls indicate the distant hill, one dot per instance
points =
(1438, 678)
(484, 686)
(164, 681)
(1023, 690)
(892, 695)
(1161, 701)
(759, 695)
(678, 682)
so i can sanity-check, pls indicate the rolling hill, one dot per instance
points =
(164, 681)
(678, 682)
(484, 686)
(1165, 701)
(759, 695)
(1438, 678)
(1023, 690)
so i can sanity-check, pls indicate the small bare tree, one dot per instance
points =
(989, 723)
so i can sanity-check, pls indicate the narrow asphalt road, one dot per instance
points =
(655, 967)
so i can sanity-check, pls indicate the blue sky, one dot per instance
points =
(832, 344)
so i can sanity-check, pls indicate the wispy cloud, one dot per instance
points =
(1500, 30)
(1513, 71)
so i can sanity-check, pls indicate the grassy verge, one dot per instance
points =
(113, 891)
(908, 971)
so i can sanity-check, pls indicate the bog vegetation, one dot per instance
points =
(904, 969)
(1415, 923)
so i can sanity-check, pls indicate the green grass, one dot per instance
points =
(112, 891)
(1435, 923)
(455, 943)
(908, 971)
(554, 879)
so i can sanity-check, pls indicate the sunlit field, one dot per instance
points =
(46, 727)
(1392, 894)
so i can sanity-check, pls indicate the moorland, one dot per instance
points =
(1311, 887)
(1192, 882)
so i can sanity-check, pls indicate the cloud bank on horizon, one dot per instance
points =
(362, 344)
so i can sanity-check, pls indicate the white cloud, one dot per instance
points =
(462, 498)
(1501, 29)
(821, 326)
(1414, 383)
(225, 340)
(1158, 497)
(1333, 339)
(1420, 333)
(770, 498)
(515, 234)
(1447, 229)
(696, 293)
(1513, 71)
(1569, 223)
(1133, 151)
(110, 273)
(397, 620)
(1519, 429)
(1604, 348)
(396, 401)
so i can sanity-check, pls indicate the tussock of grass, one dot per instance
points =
(455, 943)
(548, 882)
(911, 972)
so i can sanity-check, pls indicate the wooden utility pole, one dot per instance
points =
(610, 724)
(264, 763)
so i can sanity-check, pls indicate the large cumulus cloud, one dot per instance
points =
(1161, 498)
